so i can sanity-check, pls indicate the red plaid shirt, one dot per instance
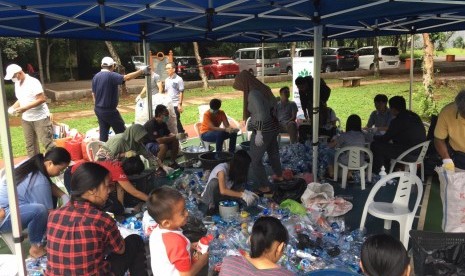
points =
(78, 237)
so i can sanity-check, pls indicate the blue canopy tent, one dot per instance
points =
(219, 20)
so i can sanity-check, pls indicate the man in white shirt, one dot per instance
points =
(31, 104)
(174, 87)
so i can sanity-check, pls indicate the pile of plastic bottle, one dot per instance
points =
(315, 242)
(36, 267)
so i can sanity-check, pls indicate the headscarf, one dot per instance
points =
(246, 82)
(130, 139)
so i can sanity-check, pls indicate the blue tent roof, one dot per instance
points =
(225, 20)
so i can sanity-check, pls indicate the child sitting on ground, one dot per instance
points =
(384, 255)
(227, 181)
(267, 244)
(169, 248)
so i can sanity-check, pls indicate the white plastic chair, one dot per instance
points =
(92, 149)
(202, 109)
(354, 163)
(398, 209)
(205, 144)
(7, 237)
(412, 165)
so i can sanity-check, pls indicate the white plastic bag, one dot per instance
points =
(141, 113)
(320, 197)
(452, 189)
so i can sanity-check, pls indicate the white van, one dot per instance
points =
(285, 60)
(388, 57)
(250, 59)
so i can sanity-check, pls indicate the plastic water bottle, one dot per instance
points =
(382, 173)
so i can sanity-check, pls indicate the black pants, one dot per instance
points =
(109, 118)
(178, 120)
(383, 153)
(133, 258)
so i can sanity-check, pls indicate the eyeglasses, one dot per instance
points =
(168, 68)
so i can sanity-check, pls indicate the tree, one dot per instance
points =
(458, 42)
(11, 47)
(427, 104)
(428, 65)
(199, 63)
(121, 69)
(440, 39)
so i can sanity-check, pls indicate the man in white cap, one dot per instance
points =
(31, 104)
(106, 96)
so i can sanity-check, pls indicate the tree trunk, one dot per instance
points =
(199, 63)
(397, 38)
(120, 68)
(376, 57)
(47, 59)
(428, 65)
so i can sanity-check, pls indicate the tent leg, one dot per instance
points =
(317, 42)
(11, 185)
(148, 82)
(412, 38)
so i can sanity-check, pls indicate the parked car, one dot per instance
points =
(250, 59)
(220, 67)
(336, 59)
(187, 67)
(285, 60)
(388, 57)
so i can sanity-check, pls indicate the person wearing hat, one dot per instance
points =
(106, 96)
(31, 105)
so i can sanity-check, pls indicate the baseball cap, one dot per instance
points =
(11, 70)
(107, 61)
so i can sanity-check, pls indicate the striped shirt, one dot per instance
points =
(263, 112)
(239, 266)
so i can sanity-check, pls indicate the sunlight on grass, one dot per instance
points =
(345, 101)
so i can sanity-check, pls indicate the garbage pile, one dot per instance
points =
(315, 242)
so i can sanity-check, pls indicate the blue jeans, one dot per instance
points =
(218, 137)
(33, 216)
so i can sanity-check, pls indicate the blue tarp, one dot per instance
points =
(225, 20)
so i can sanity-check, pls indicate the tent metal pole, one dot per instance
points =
(317, 45)
(412, 63)
(11, 185)
(263, 62)
(148, 79)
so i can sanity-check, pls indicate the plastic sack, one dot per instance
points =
(294, 207)
(289, 189)
(438, 253)
(140, 112)
(194, 229)
(320, 197)
(315, 189)
(452, 190)
(148, 224)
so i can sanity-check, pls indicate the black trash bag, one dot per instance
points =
(438, 253)
(289, 189)
(449, 260)
(194, 229)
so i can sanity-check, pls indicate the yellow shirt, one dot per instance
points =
(451, 124)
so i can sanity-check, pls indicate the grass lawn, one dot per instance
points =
(345, 101)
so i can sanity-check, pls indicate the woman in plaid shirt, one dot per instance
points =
(84, 240)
